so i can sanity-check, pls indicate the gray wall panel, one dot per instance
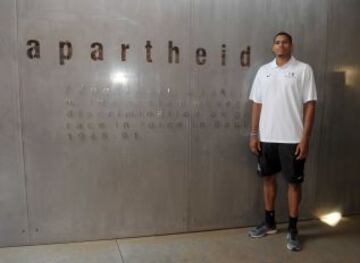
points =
(222, 173)
(13, 217)
(110, 159)
(339, 160)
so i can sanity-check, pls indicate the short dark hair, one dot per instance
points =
(282, 33)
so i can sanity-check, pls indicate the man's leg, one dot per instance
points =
(269, 189)
(268, 166)
(269, 226)
(293, 171)
(294, 199)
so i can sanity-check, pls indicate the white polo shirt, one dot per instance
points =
(282, 91)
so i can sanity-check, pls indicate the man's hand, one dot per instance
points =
(302, 149)
(254, 145)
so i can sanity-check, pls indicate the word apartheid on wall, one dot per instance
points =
(96, 52)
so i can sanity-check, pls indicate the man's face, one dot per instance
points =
(282, 46)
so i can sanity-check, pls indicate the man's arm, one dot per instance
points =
(309, 114)
(254, 143)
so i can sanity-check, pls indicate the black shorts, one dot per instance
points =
(276, 157)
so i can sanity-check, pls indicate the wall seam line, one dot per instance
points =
(20, 109)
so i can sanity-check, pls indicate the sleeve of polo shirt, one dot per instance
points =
(309, 88)
(255, 94)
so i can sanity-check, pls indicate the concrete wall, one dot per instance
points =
(163, 150)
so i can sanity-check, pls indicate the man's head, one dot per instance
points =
(282, 45)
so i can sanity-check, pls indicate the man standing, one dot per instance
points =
(284, 96)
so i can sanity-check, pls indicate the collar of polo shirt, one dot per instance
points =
(291, 61)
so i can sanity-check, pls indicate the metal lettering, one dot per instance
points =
(174, 49)
(200, 56)
(97, 53)
(65, 51)
(34, 49)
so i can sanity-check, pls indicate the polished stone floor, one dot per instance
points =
(321, 243)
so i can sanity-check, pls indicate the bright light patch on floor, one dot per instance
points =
(331, 219)
(119, 78)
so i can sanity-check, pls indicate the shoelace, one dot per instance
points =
(293, 235)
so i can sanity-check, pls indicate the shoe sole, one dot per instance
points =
(293, 248)
(270, 232)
